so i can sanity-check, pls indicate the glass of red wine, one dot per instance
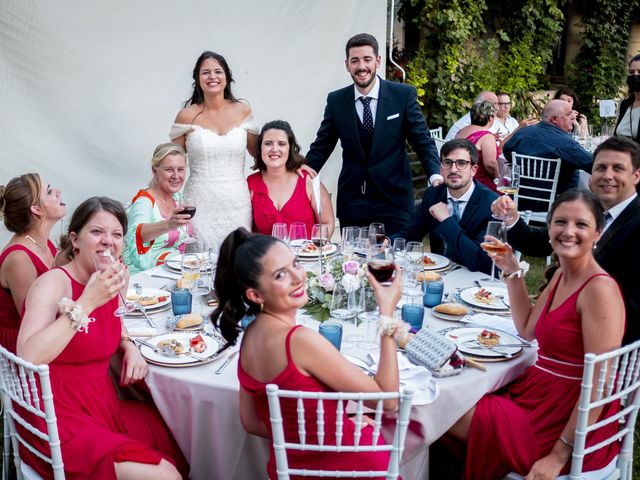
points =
(376, 233)
(380, 262)
(188, 207)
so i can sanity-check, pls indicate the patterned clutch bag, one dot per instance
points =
(430, 349)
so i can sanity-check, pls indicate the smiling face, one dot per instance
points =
(572, 230)
(169, 174)
(101, 232)
(274, 149)
(281, 286)
(212, 78)
(613, 178)
(362, 64)
(50, 205)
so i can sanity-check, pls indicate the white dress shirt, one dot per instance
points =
(617, 210)
(373, 94)
(462, 201)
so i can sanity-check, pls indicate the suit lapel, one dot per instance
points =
(348, 106)
(632, 210)
(470, 208)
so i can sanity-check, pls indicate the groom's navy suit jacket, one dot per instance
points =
(386, 169)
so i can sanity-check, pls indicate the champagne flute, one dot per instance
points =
(297, 236)
(125, 306)
(320, 237)
(508, 184)
(380, 263)
(495, 242)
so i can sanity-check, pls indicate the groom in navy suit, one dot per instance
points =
(373, 119)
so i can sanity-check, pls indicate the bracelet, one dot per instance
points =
(79, 320)
(566, 442)
(520, 273)
(392, 327)
(127, 337)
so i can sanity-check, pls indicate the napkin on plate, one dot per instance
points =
(494, 321)
(419, 378)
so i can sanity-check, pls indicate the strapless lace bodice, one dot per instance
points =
(216, 180)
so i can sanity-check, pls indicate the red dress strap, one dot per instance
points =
(287, 343)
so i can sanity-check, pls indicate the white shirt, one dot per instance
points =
(463, 122)
(506, 128)
(373, 94)
(624, 127)
(617, 210)
(462, 201)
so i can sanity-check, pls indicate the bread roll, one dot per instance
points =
(189, 320)
(451, 309)
(429, 276)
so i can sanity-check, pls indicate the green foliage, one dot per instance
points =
(466, 50)
(599, 69)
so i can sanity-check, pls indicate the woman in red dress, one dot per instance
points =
(528, 427)
(278, 193)
(30, 208)
(69, 323)
(261, 272)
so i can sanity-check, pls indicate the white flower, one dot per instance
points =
(351, 283)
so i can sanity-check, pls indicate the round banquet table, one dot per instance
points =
(201, 407)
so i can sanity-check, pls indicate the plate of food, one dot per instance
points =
(174, 263)
(485, 342)
(150, 298)
(453, 312)
(488, 298)
(433, 261)
(311, 251)
(189, 322)
(187, 349)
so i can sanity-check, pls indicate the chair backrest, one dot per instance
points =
(436, 132)
(281, 446)
(439, 143)
(538, 182)
(618, 379)
(19, 382)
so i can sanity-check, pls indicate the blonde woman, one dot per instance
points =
(158, 225)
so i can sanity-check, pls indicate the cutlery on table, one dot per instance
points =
(473, 364)
(480, 345)
(153, 347)
(143, 310)
(227, 362)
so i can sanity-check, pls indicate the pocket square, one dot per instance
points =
(391, 117)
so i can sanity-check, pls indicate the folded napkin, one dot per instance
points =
(425, 387)
(142, 332)
(493, 321)
(162, 272)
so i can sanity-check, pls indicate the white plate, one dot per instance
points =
(333, 248)
(468, 296)
(174, 263)
(152, 292)
(213, 345)
(464, 338)
(446, 316)
(440, 261)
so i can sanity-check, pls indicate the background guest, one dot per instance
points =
(216, 129)
(529, 426)
(580, 123)
(157, 226)
(261, 272)
(30, 208)
(479, 133)
(465, 120)
(628, 124)
(278, 193)
(69, 323)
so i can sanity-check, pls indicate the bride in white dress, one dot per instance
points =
(216, 129)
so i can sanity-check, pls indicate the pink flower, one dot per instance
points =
(327, 282)
(350, 267)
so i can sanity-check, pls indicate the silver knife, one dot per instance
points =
(227, 362)
(144, 312)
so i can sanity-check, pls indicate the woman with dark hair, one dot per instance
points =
(69, 323)
(482, 118)
(628, 124)
(30, 208)
(278, 193)
(158, 224)
(580, 123)
(216, 129)
(259, 274)
(528, 427)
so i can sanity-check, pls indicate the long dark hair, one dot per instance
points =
(16, 199)
(569, 93)
(239, 268)
(294, 161)
(197, 97)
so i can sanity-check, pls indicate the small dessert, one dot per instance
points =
(198, 344)
(484, 296)
(488, 338)
(451, 309)
(173, 344)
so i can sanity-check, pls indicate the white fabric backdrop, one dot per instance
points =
(89, 88)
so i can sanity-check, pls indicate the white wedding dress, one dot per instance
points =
(216, 180)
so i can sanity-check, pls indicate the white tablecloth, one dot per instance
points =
(201, 408)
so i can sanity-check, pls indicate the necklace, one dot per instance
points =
(30, 238)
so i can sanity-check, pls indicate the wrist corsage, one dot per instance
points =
(392, 327)
(79, 320)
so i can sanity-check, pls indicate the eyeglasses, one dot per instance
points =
(504, 104)
(447, 163)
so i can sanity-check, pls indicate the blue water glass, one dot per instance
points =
(432, 293)
(181, 301)
(413, 314)
(332, 331)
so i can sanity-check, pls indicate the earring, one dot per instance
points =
(261, 307)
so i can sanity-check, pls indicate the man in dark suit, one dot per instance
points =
(373, 119)
(455, 214)
(616, 172)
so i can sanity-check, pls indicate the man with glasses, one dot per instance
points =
(551, 138)
(455, 214)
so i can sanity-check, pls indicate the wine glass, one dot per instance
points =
(279, 231)
(369, 315)
(349, 239)
(376, 233)
(320, 237)
(380, 263)
(355, 303)
(414, 253)
(297, 236)
(494, 242)
(188, 207)
(399, 246)
(362, 243)
(125, 306)
(508, 183)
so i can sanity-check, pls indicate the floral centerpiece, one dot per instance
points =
(346, 272)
